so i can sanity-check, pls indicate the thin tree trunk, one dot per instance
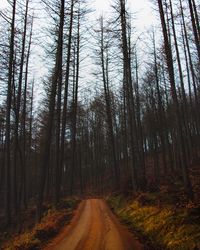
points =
(8, 114)
(104, 67)
(195, 28)
(75, 103)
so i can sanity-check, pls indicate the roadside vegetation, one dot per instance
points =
(39, 235)
(161, 225)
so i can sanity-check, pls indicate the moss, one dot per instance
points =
(171, 228)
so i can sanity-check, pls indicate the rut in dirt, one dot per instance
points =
(94, 227)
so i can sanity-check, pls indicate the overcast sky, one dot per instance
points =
(145, 16)
(142, 10)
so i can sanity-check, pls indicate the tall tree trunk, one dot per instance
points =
(8, 114)
(168, 52)
(104, 68)
(58, 113)
(141, 158)
(185, 104)
(45, 157)
(195, 27)
(129, 96)
(24, 116)
(75, 102)
(64, 113)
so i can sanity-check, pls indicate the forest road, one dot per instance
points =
(94, 227)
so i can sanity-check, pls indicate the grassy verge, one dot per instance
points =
(51, 223)
(165, 227)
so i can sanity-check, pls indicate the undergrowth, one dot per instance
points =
(51, 223)
(165, 226)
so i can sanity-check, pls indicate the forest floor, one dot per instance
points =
(159, 223)
(144, 221)
(94, 227)
(33, 236)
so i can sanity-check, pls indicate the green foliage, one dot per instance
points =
(171, 228)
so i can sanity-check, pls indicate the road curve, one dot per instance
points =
(94, 227)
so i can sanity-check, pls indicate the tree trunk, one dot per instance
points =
(168, 52)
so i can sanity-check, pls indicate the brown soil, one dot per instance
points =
(94, 227)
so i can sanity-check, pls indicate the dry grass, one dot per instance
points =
(42, 232)
(169, 227)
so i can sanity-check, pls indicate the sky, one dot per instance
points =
(3, 4)
(142, 10)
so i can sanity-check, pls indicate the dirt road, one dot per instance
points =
(94, 227)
